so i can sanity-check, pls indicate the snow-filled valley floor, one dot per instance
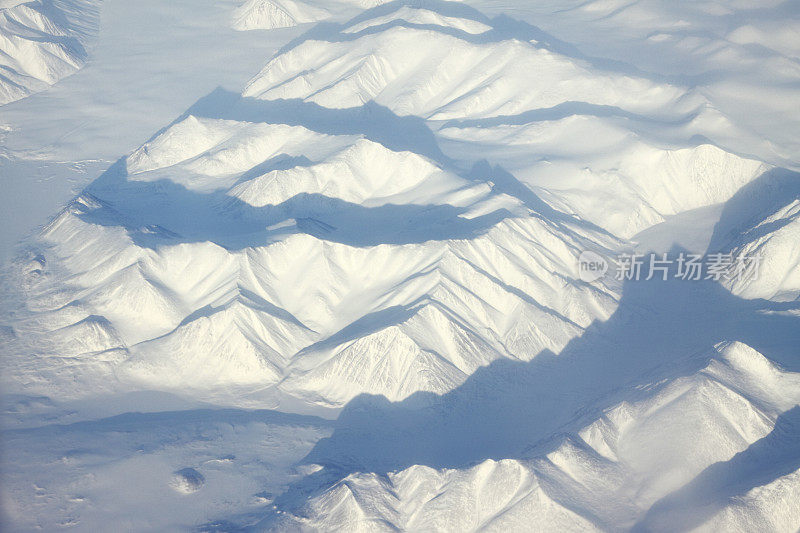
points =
(315, 265)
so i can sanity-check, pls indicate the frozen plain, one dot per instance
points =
(320, 272)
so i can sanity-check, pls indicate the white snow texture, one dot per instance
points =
(346, 297)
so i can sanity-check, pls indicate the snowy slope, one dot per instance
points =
(620, 180)
(460, 76)
(735, 52)
(289, 288)
(271, 14)
(41, 42)
(602, 476)
(384, 228)
(763, 220)
(483, 90)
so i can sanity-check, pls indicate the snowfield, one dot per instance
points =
(346, 295)
(41, 42)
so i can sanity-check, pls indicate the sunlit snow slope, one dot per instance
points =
(271, 14)
(42, 41)
(385, 225)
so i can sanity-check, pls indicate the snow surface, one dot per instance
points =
(271, 14)
(638, 455)
(53, 143)
(41, 42)
(344, 294)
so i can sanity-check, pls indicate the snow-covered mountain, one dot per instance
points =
(762, 222)
(322, 254)
(42, 41)
(384, 226)
(651, 451)
(272, 14)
